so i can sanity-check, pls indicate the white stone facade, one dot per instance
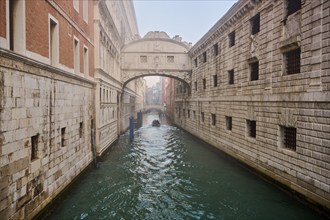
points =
(222, 112)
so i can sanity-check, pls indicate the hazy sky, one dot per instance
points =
(190, 19)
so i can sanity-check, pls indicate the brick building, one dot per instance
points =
(260, 91)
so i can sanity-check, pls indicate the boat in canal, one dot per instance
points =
(155, 123)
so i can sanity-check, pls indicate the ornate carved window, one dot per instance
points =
(231, 38)
(170, 59)
(254, 70)
(143, 59)
(255, 24)
(292, 61)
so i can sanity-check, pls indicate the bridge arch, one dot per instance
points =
(156, 54)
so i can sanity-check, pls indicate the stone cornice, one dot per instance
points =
(36, 67)
(235, 13)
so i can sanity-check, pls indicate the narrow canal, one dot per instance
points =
(168, 174)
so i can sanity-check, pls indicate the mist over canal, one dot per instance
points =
(168, 174)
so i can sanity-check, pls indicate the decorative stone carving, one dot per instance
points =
(287, 117)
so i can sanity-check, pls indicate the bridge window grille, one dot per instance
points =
(143, 59)
(170, 59)
(229, 123)
(251, 128)
(214, 119)
(231, 77)
(231, 38)
(254, 71)
(204, 83)
(204, 57)
(215, 80)
(202, 116)
(34, 147)
(255, 24)
(289, 137)
(293, 6)
(216, 49)
(196, 63)
(292, 61)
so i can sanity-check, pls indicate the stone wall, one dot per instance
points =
(276, 101)
(45, 133)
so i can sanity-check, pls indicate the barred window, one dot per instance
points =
(255, 24)
(289, 137)
(63, 139)
(34, 147)
(231, 77)
(81, 129)
(196, 86)
(216, 49)
(204, 57)
(202, 116)
(231, 38)
(194, 114)
(293, 6)
(251, 128)
(204, 83)
(254, 71)
(215, 80)
(213, 118)
(228, 123)
(292, 61)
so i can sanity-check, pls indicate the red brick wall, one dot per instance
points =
(37, 26)
(3, 18)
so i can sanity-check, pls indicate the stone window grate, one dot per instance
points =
(229, 124)
(231, 77)
(143, 59)
(231, 38)
(255, 24)
(293, 6)
(254, 67)
(215, 80)
(292, 59)
(252, 128)
(290, 138)
(213, 118)
(170, 59)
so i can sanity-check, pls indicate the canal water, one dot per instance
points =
(166, 173)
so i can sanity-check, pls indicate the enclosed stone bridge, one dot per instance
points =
(156, 54)
(158, 108)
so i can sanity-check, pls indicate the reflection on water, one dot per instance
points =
(167, 174)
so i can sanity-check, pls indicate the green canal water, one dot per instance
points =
(168, 174)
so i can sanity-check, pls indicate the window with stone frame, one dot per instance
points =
(170, 59)
(254, 70)
(63, 138)
(215, 80)
(229, 123)
(188, 113)
(288, 137)
(255, 24)
(213, 119)
(216, 49)
(202, 116)
(251, 126)
(231, 77)
(292, 6)
(194, 114)
(34, 147)
(143, 59)
(196, 62)
(204, 57)
(204, 83)
(231, 38)
(292, 61)
(196, 85)
(81, 130)
(184, 113)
